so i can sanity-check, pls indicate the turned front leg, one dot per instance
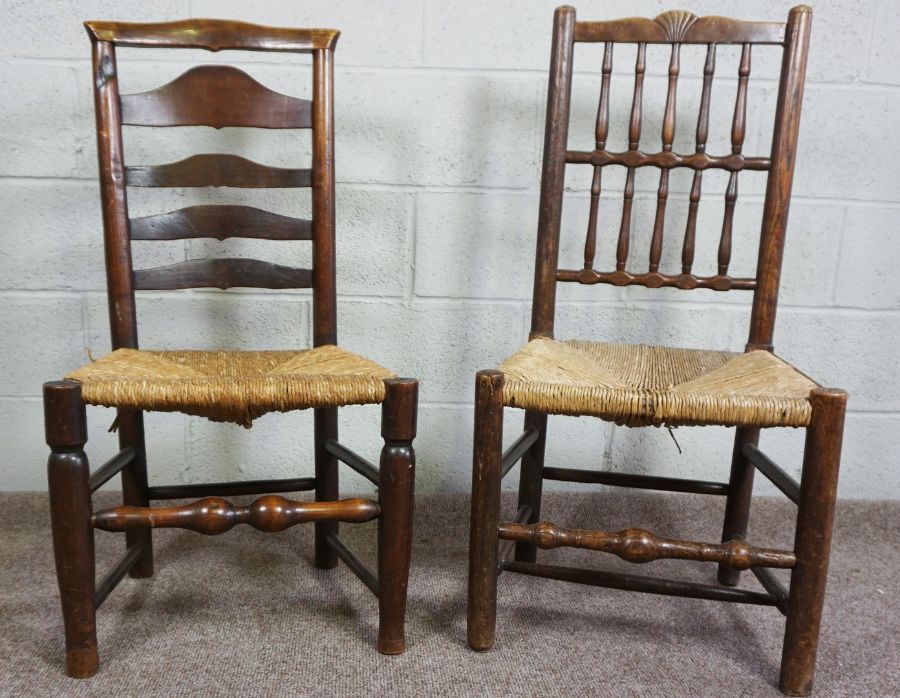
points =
(68, 471)
(396, 490)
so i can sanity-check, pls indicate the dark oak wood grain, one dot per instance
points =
(215, 170)
(220, 222)
(217, 96)
(221, 273)
(212, 35)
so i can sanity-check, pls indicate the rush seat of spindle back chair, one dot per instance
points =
(221, 384)
(638, 385)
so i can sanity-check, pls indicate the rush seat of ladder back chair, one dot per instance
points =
(231, 386)
(637, 385)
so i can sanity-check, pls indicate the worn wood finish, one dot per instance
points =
(220, 222)
(110, 468)
(685, 282)
(217, 170)
(816, 492)
(781, 177)
(531, 481)
(644, 482)
(68, 471)
(481, 612)
(812, 541)
(212, 35)
(740, 494)
(646, 585)
(231, 489)
(640, 546)
(223, 273)
(214, 515)
(775, 473)
(680, 26)
(217, 96)
(397, 470)
(554, 172)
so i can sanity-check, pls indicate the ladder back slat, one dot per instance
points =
(220, 222)
(217, 96)
(221, 273)
(681, 26)
(690, 232)
(214, 170)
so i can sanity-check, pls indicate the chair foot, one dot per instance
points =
(396, 491)
(815, 514)
(483, 540)
(740, 494)
(68, 471)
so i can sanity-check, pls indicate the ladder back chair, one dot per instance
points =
(232, 386)
(638, 385)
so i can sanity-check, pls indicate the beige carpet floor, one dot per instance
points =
(247, 614)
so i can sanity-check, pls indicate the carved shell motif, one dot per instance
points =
(676, 23)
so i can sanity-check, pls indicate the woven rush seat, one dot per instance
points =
(232, 386)
(639, 385)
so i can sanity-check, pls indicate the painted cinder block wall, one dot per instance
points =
(439, 128)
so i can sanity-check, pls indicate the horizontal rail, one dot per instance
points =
(223, 273)
(231, 489)
(110, 468)
(357, 566)
(773, 586)
(654, 279)
(212, 35)
(682, 27)
(644, 482)
(667, 160)
(517, 449)
(505, 547)
(217, 170)
(773, 471)
(219, 222)
(354, 460)
(213, 515)
(647, 585)
(217, 96)
(112, 578)
(640, 546)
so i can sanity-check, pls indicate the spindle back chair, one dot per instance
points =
(221, 385)
(637, 385)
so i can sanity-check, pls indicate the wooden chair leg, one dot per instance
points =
(134, 487)
(326, 428)
(485, 516)
(70, 515)
(815, 514)
(531, 481)
(740, 494)
(395, 492)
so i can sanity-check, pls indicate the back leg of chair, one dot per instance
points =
(68, 474)
(740, 495)
(531, 480)
(485, 516)
(815, 515)
(396, 487)
(326, 428)
(134, 487)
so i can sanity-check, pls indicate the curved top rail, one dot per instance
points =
(212, 35)
(681, 26)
